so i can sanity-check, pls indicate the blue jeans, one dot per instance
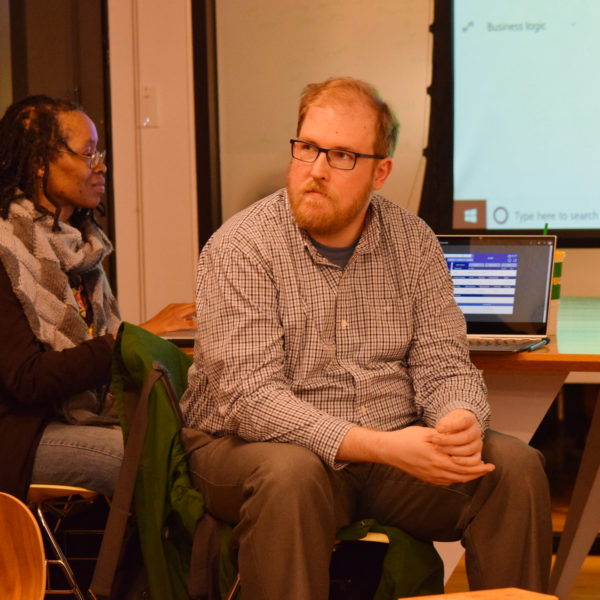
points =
(81, 455)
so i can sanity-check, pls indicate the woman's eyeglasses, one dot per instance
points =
(93, 159)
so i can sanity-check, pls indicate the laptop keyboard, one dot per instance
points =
(500, 344)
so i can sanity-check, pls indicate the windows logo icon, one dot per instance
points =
(469, 214)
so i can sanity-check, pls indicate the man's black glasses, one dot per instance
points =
(338, 159)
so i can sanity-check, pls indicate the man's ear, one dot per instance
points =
(382, 170)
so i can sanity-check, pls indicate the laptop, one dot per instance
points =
(184, 338)
(502, 284)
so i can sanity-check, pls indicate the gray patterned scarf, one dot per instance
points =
(41, 264)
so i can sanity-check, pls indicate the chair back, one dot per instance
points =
(22, 558)
(149, 376)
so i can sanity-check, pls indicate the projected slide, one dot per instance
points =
(526, 114)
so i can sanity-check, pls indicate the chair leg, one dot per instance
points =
(59, 560)
(234, 588)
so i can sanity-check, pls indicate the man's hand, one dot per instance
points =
(417, 453)
(459, 435)
(423, 452)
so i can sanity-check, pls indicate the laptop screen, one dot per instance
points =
(501, 283)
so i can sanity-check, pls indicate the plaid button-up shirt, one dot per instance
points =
(292, 348)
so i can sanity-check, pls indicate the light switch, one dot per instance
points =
(148, 106)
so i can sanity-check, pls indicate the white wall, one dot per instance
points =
(269, 50)
(154, 166)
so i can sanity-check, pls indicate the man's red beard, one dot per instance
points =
(323, 214)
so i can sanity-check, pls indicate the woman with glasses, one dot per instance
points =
(58, 316)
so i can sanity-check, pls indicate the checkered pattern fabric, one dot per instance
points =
(292, 348)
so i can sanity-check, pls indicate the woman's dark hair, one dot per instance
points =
(29, 134)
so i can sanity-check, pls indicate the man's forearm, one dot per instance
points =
(362, 445)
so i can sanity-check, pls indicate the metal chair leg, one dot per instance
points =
(234, 588)
(60, 560)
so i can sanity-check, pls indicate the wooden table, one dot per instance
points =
(499, 594)
(521, 388)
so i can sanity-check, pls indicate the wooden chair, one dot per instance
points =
(59, 500)
(22, 560)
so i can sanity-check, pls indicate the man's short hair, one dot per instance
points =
(347, 89)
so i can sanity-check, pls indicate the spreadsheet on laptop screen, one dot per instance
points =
(484, 283)
(501, 283)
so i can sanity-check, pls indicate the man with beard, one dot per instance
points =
(332, 380)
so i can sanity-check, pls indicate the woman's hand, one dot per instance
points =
(174, 316)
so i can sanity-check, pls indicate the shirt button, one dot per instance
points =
(344, 323)
(363, 410)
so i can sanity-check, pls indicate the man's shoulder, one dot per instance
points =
(397, 218)
(269, 208)
(263, 223)
(253, 215)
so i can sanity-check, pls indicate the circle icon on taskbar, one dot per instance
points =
(500, 215)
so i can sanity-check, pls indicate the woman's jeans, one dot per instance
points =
(82, 455)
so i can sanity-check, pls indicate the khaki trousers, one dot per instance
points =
(287, 505)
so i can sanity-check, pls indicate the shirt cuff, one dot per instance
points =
(326, 439)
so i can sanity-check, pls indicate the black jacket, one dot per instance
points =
(31, 380)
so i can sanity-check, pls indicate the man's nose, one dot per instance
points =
(320, 168)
